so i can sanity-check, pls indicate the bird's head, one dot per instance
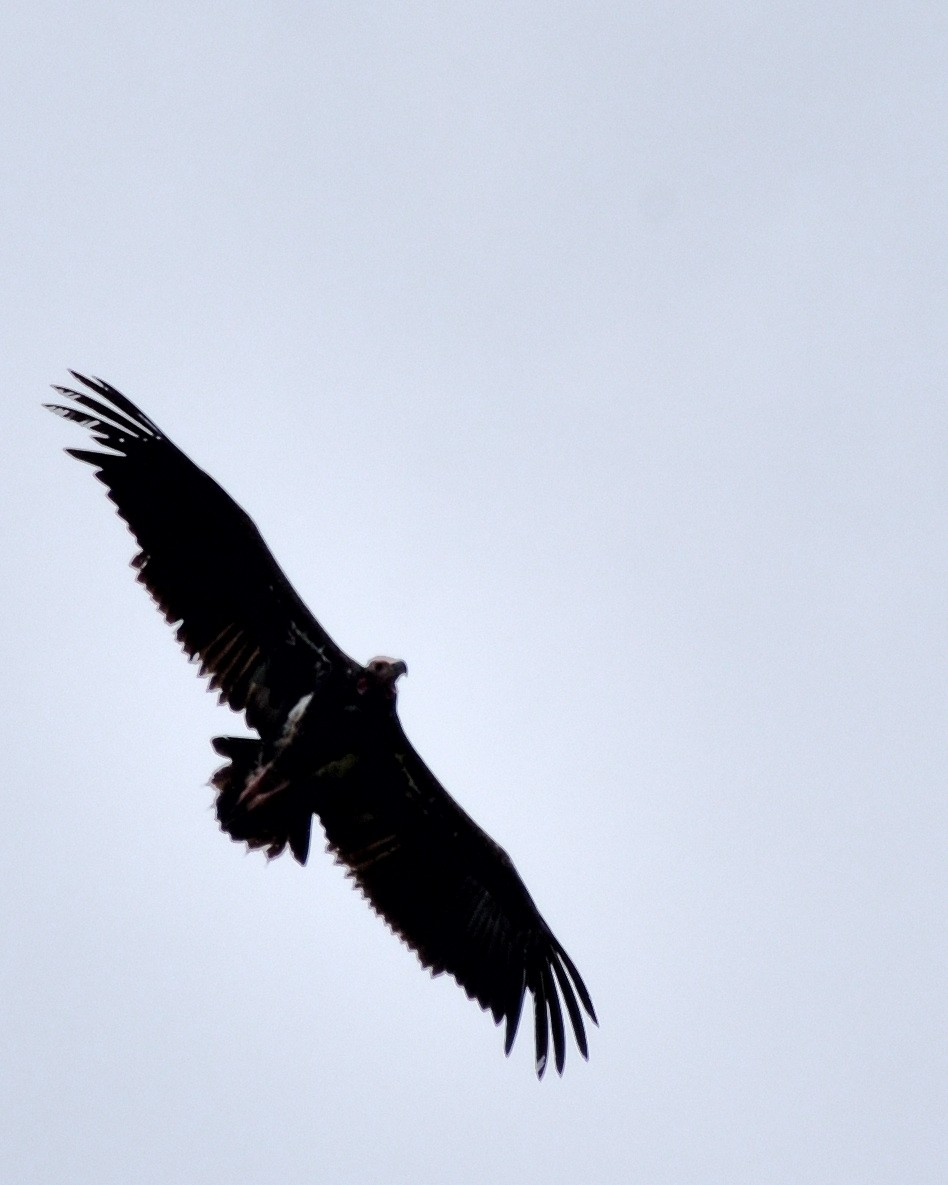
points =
(380, 676)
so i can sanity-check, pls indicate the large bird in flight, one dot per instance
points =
(328, 741)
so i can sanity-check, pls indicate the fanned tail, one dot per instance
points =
(256, 807)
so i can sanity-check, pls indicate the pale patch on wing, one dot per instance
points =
(297, 712)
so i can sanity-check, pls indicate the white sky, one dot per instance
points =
(593, 361)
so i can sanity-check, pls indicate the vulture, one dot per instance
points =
(328, 742)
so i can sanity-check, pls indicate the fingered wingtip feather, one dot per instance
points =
(541, 1026)
(57, 408)
(514, 1010)
(92, 381)
(555, 1017)
(572, 1007)
(131, 415)
(87, 455)
(581, 988)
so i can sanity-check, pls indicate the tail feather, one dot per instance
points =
(254, 809)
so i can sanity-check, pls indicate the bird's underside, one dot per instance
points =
(329, 743)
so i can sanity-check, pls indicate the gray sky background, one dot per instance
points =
(592, 359)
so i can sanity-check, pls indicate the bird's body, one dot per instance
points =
(329, 742)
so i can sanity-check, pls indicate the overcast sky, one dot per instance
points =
(590, 357)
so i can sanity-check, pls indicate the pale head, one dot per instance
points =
(381, 674)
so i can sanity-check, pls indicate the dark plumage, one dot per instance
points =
(329, 740)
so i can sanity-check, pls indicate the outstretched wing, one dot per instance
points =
(204, 563)
(449, 891)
